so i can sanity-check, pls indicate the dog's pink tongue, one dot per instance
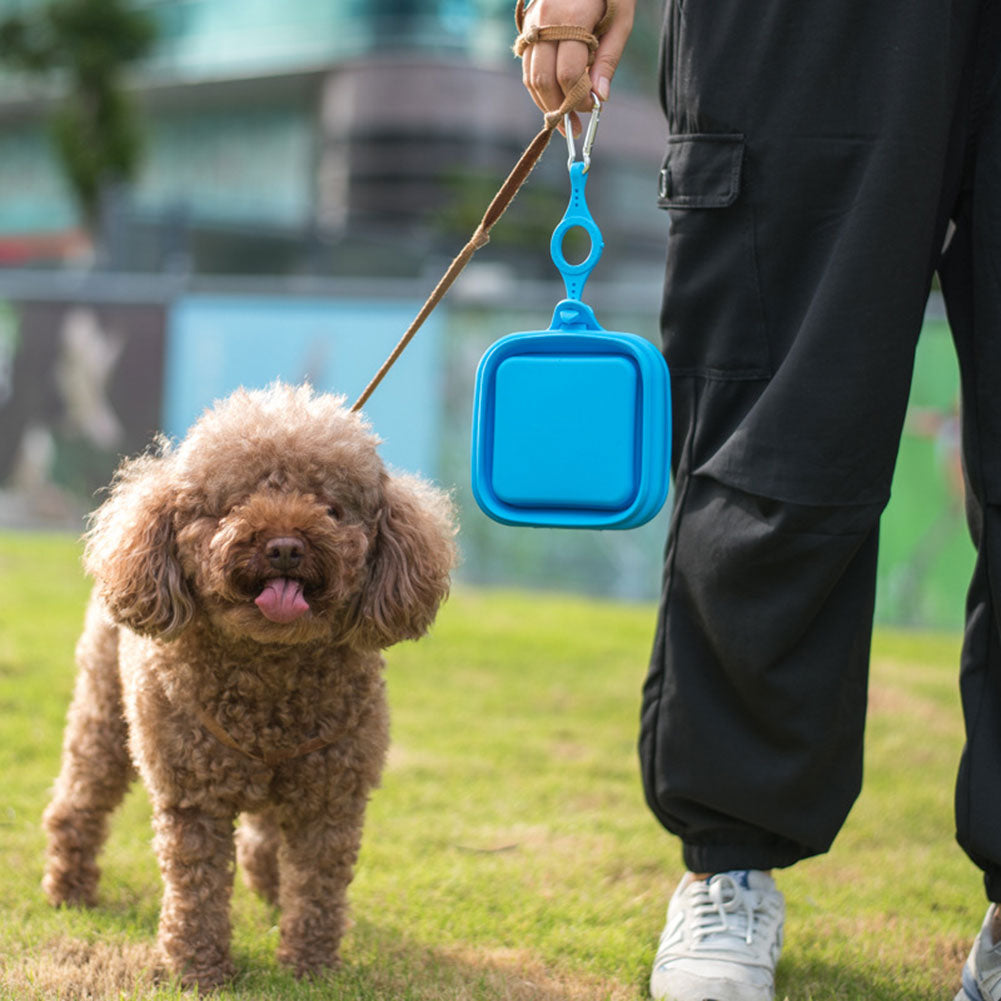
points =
(282, 600)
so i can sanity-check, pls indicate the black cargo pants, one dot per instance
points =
(824, 159)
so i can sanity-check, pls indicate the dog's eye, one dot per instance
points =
(335, 512)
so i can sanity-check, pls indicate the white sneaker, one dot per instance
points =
(982, 972)
(722, 939)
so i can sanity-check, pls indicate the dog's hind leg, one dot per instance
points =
(96, 768)
(257, 840)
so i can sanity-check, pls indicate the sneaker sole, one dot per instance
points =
(664, 997)
(670, 996)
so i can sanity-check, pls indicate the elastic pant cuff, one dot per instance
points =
(772, 853)
(992, 884)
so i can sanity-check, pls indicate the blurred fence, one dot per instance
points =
(92, 366)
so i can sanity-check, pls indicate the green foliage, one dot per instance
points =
(87, 44)
(508, 854)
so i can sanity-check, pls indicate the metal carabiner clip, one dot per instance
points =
(592, 128)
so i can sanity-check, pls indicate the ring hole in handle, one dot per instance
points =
(576, 246)
(557, 246)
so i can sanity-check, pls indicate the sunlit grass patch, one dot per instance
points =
(508, 853)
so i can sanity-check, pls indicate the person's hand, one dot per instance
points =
(550, 69)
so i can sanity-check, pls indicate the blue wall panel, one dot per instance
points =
(217, 343)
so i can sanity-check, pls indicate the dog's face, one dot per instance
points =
(284, 559)
(274, 521)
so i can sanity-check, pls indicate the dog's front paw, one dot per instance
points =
(206, 970)
(70, 883)
(309, 964)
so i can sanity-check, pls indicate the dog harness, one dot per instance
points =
(217, 731)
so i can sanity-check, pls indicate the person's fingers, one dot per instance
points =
(543, 83)
(571, 65)
(526, 74)
(541, 78)
(551, 70)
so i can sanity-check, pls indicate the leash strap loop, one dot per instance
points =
(554, 33)
(575, 32)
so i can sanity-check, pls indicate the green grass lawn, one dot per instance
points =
(508, 854)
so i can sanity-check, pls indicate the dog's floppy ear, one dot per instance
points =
(131, 551)
(412, 555)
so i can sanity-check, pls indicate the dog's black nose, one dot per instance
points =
(285, 553)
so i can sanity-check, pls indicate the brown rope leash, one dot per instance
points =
(481, 236)
(213, 727)
(512, 184)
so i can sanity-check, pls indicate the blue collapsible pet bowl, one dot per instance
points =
(571, 426)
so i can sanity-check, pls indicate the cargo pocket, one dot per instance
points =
(712, 317)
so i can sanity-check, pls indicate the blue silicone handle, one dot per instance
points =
(577, 215)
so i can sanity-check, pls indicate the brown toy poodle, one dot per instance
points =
(246, 581)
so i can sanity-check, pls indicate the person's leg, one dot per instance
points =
(971, 280)
(811, 166)
(805, 179)
(755, 704)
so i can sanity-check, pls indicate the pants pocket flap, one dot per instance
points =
(701, 170)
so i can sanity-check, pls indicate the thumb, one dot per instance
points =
(609, 52)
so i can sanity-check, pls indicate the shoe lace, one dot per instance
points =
(722, 907)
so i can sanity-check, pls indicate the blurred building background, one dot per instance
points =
(322, 137)
(310, 168)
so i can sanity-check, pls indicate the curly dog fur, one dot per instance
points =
(245, 582)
